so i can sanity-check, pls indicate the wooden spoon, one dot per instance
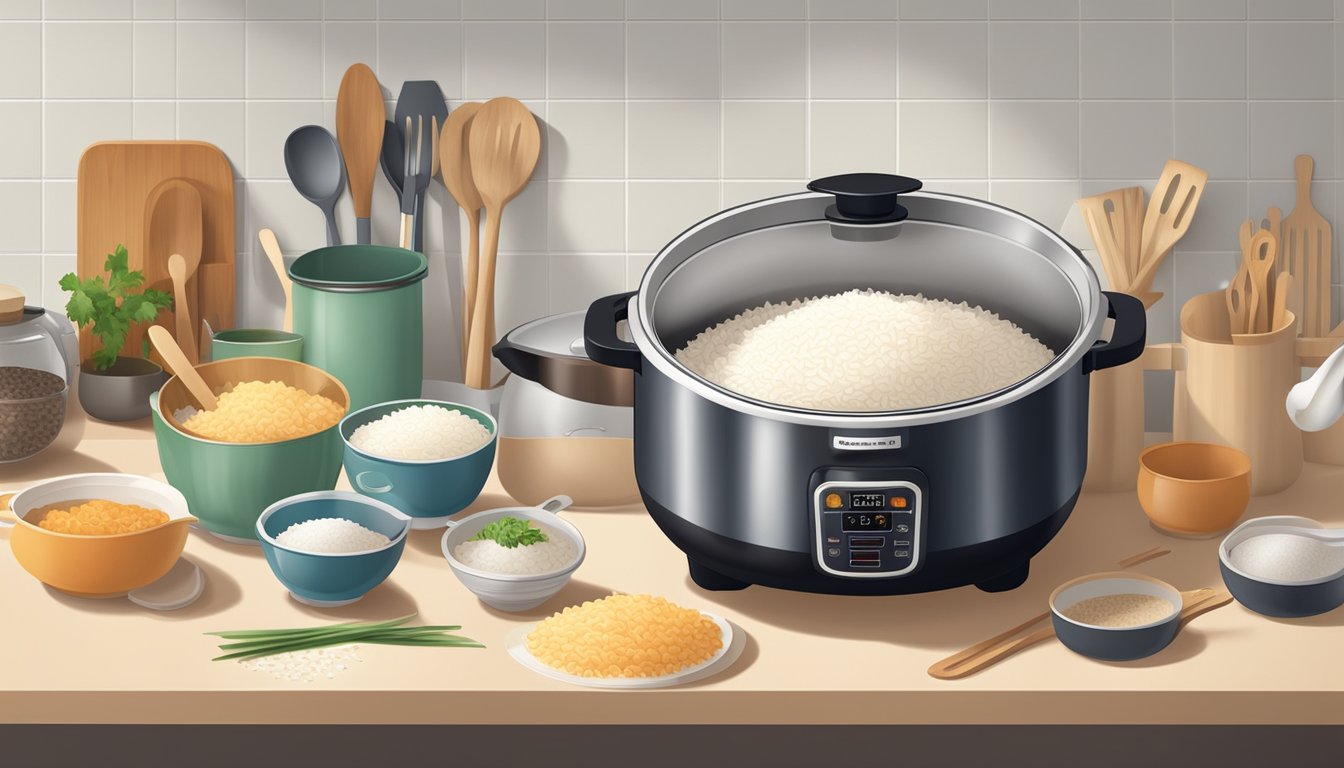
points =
(173, 227)
(504, 143)
(271, 246)
(186, 338)
(182, 368)
(360, 117)
(455, 162)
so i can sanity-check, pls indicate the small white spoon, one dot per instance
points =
(1318, 402)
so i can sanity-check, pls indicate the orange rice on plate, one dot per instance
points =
(625, 636)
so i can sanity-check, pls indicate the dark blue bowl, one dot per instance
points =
(428, 491)
(1282, 600)
(1114, 643)
(332, 579)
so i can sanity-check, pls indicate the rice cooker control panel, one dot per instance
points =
(867, 528)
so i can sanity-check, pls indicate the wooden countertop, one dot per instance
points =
(809, 659)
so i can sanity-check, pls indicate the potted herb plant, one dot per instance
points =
(113, 387)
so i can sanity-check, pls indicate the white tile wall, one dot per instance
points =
(657, 113)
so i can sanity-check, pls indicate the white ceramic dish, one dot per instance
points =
(734, 641)
(508, 591)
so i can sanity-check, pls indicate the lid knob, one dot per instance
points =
(11, 304)
(866, 198)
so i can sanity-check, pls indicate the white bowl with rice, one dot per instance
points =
(521, 577)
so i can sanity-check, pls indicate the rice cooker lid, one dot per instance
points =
(804, 244)
(550, 351)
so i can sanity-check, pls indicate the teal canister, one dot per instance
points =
(358, 308)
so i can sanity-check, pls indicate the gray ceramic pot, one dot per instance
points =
(120, 393)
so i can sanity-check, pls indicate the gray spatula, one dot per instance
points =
(420, 98)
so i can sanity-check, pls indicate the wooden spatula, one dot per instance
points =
(1102, 213)
(271, 247)
(173, 226)
(360, 116)
(1282, 287)
(455, 162)
(182, 368)
(1306, 241)
(1170, 211)
(504, 143)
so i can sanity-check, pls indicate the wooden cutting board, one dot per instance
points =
(115, 179)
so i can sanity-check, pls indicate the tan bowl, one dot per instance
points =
(223, 373)
(1194, 489)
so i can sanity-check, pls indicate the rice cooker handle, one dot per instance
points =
(1127, 338)
(600, 339)
(866, 198)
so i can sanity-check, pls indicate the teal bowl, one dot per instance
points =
(429, 492)
(329, 580)
(228, 485)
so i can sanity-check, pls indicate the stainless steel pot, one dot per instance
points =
(863, 503)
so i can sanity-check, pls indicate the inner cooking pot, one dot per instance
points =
(887, 502)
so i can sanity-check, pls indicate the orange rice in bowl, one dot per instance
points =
(625, 636)
(263, 412)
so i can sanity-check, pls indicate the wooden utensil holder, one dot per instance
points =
(1232, 391)
(1115, 415)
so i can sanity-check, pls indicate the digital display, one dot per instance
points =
(867, 500)
(858, 522)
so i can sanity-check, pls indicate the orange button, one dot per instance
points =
(833, 501)
(899, 502)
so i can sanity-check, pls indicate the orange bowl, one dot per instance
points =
(1194, 489)
(100, 566)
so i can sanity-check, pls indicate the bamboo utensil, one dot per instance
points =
(1306, 239)
(1168, 217)
(182, 368)
(360, 116)
(1282, 289)
(504, 144)
(455, 162)
(1259, 262)
(177, 268)
(174, 234)
(271, 247)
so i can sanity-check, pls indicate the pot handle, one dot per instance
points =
(599, 332)
(1127, 338)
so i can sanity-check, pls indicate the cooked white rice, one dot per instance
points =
(557, 552)
(421, 433)
(864, 350)
(329, 535)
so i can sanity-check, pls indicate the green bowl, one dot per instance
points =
(256, 342)
(229, 485)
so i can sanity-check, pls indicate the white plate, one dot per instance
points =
(734, 641)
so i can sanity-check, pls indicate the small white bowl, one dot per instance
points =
(509, 591)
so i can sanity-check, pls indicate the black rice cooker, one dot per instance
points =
(876, 503)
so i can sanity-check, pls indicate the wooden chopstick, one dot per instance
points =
(1143, 557)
